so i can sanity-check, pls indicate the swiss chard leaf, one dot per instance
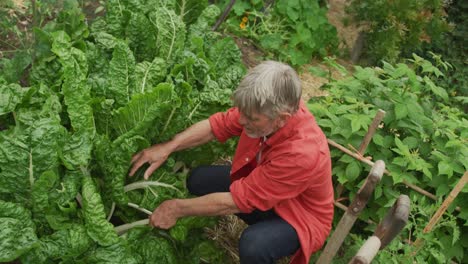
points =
(171, 33)
(97, 227)
(65, 244)
(121, 73)
(17, 232)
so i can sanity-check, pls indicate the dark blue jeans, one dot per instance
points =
(268, 237)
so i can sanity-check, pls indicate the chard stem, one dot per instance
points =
(144, 184)
(111, 212)
(141, 209)
(168, 121)
(121, 229)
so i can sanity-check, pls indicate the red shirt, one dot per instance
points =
(293, 175)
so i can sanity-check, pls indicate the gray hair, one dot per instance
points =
(269, 88)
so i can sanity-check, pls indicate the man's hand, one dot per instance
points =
(154, 155)
(165, 215)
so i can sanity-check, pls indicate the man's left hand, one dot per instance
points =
(165, 215)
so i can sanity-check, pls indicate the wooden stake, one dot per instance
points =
(371, 131)
(224, 15)
(438, 214)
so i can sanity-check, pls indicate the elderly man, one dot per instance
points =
(280, 179)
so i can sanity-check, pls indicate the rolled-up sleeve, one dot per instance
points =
(267, 185)
(226, 124)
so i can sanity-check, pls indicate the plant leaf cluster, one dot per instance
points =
(395, 29)
(422, 139)
(291, 31)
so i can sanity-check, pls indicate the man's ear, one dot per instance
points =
(283, 118)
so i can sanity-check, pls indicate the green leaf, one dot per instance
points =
(26, 154)
(121, 74)
(114, 160)
(439, 91)
(97, 227)
(378, 140)
(445, 168)
(151, 247)
(402, 147)
(65, 244)
(10, 96)
(240, 7)
(115, 18)
(271, 41)
(145, 111)
(223, 54)
(149, 74)
(120, 252)
(77, 151)
(202, 27)
(352, 171)
(141, 35)
(13, 69)
(401, 111)
(412, 142)
(17, 234)
(170, 31)
(190, 10)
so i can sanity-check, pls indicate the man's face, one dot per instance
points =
(258, 125)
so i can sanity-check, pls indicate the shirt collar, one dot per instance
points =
(287, 130)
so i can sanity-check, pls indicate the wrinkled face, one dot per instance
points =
(258, 125)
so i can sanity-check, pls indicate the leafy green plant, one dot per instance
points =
(395, 29)
(293, 31)
(452, 48)
(97, 95)
(422, 140)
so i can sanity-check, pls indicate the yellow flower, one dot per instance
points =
(242, 25)
(245, 19)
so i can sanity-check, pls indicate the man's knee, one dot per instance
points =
(252, 248)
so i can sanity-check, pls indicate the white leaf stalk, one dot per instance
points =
(134, 186)
(122, 229)
(141, 209)
(111, 212)
(145, 184)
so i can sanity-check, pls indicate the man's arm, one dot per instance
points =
(166, 214)
(198, 134)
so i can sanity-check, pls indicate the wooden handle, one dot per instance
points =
(394, 221)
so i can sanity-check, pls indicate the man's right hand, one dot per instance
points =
(154, 156)
(196, 135)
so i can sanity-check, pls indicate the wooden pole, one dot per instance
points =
(352, 213)
(344, 208)
(224, 15)
(371, 131)
(438, 214)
